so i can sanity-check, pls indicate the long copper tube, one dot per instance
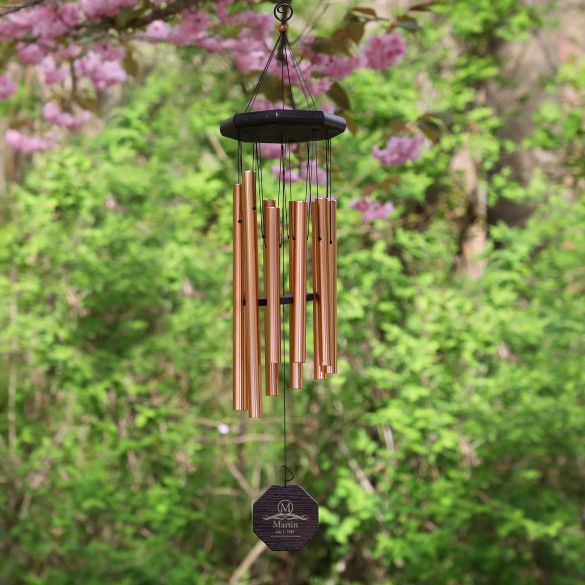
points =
(298, 212)
(332, 302)
(240, 399)
(271, 250)
(318, 373)
(251, 311)
(322, 237)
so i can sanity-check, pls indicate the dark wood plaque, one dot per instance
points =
(285, 517)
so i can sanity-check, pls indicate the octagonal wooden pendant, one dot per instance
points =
(285, 517)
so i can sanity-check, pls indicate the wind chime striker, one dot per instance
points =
(285, 517)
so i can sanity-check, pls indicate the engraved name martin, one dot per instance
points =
(285, 518)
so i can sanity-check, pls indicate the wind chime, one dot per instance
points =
(285, 516)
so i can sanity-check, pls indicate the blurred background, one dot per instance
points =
(449, 449)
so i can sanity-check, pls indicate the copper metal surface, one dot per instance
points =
(298, 212)
(322, 239)
(332, 266)
(318, 373)
(251, 312)
(296, 375)
(271, 250)
(272, 387)
(239, 395)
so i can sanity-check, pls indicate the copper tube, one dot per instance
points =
(271, 249)
(296, 375)
(298, 212)
(322, 238)
(332, 265)
(271, 379)
(239, 395)
(318, 373)
(251, 311)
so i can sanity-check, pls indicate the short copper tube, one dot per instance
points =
(332, 266)
(240, 398)
(251, 311)
(298, 214)
(320, 282)
(271, 249)
(296, 375)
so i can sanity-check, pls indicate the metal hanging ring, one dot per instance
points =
(283, 12)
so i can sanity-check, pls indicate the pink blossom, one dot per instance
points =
(28, 144)
(53, 73)
(221, 7)
(250, 52)
(109, 52)
(259, 25)
(250, 61)
(102, 73)
(327, 107)
(314, 173)
(317, 174)
(70, 13)
(399, 150)
(385, 51)
(292, 176)
(370, 209)
(7, 87)
(157, 30)
(8, 29)
(96, 9)
(319, 86)
(44, 22)
(47, 23)
(30, 54)
(69, 51)
(269, 150)
(336, 66)
(262, 104)
(53, 114)
(291, 75)
(192, 28)
(213, 44)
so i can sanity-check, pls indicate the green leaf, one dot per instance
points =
(408, 23)
(339, 96)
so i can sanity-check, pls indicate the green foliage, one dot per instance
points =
(449, 447)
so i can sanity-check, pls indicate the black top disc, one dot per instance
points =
(283, 126)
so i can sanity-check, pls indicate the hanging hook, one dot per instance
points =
(286, 471)
(283, 11)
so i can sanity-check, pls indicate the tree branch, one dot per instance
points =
(21, 6)
(248, 561)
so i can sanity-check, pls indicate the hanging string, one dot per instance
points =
(253, 146)
(263, 75)
(240, 162)
(308, 190)
(303, 82)
(260, 186)
(283, 204)
(285, 57)
(329, 187)
(316, 150)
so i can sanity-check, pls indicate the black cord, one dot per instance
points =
(263, 75)
(285, 57)
(303, 83)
